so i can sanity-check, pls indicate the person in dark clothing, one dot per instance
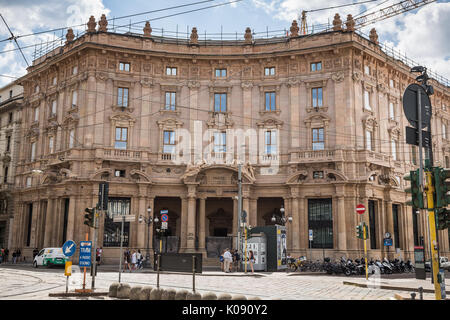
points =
(6, 255)
(35, 252)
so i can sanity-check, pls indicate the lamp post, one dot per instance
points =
(148, 221)
(283, 219)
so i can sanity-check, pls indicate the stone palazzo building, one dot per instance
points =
(330, 132)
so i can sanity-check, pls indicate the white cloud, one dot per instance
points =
(28, 16)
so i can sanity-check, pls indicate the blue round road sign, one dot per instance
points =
(164, 218)
(69, 248)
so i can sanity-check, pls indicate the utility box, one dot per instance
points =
(419, 262)
(275, 246)
(256, 243)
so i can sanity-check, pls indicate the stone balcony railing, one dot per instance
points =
(316, 155)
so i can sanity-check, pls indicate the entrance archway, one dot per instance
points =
(219, 225)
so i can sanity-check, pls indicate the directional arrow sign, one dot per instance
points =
(69, 248)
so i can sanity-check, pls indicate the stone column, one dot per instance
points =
(252, 219)
(202, 230)
(49, 223)
(190, 243)
(342, 239)
(303, 218)
(141, 226)
(34, 224)
(183, 231)
(296, 225)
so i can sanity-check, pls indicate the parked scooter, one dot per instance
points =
(387, 266)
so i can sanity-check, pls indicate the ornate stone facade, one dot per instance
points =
(119, 97)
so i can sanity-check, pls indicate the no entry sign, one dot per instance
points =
(360, 209)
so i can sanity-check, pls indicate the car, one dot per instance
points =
(444, 264)
(50, 257)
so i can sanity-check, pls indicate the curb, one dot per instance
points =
(78, 294)
(387, 287)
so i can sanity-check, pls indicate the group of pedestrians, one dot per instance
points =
(229, 259)
(4, 255)
(133, 260)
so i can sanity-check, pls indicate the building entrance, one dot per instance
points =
(219, 225)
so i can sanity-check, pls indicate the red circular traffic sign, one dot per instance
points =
(360, 209)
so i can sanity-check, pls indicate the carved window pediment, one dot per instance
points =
(169, 123)
(369, 122)
(122, 119)
(270, 123)
(319, 119)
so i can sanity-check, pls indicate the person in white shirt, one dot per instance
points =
(133, 260)
(228, 259)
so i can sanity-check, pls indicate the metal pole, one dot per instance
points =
(365, 249)
(121, 244)
(157, 271)
(419, 128)
(193, 273)
(245, 249)
(147, 258)
(239, 206)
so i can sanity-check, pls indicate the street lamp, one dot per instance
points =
(283, 219)
(148, 221)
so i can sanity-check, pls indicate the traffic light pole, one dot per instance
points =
(434, 245)
(365, 250)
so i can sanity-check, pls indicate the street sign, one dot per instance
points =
(387, 242)
(310, 235)
(387, 235)
(68, 269)
(360, 209)
(163, 225)
(85, 253)
(69, 248)
(164, 217)
(412, 137)
(410, 105)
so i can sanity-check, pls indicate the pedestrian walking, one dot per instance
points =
(237, 260)
(140, 259)
(99, 255)
(251, 258)
(2, 252)
(35, 252)
(126, 260)
(6, 255)
(14, 255)
(133, 260)
(228, 259)
(221, 261)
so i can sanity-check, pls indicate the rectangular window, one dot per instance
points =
(369, 140)
(220, 102)
(394, 149)
(391, 111)
(317, 97)
(367, 100)
(320, 221)
(316, 66)
(71, 138)
(54, 81)
(124, 66)
(270, 142)
(444, 131)
(391, 83)
(33, 151)
(317, 174)
(28, 182)
(119, 173)
(169, 141)
(367, 70)
(170, 100)
(318, 141)
(171, 71)
(372, 225)
(53, 110)
(8, 143)
(75, 70)
(36, 114)
(50, 145)
(395, 213)
(220, 142)
(5, 177)
(270, 101)
(269, 71)
(10, 94)
(74, 98)
(10, 118)
(121, 138)
(122, 97)
(112, 230)
(221, 73)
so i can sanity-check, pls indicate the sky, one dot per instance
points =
(421, 34)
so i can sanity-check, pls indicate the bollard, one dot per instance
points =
(135, 292)
(181, 294)
(145, 293)
(224, 296)
(155, 294)
(113, 289)
(420, 293)
(413, 296)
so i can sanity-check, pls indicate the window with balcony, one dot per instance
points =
(124, 66)
(270, 98)
(171, 71)
(170, 101)
(270, 142)
(122, 97)
(318, 140)
(169, 142)
(220, 102)
(220, 142)
(221, 73)
(269, 71)
(317, 97)
(316, 66)
(121, 138)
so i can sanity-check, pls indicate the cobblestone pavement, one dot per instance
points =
(36, 284)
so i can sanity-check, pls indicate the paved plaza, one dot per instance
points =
(24, 282)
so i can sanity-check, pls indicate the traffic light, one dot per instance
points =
(359, 231)
(366, 227)
(89, 217)
(441, 186)
(416, 200)
(442, 219)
